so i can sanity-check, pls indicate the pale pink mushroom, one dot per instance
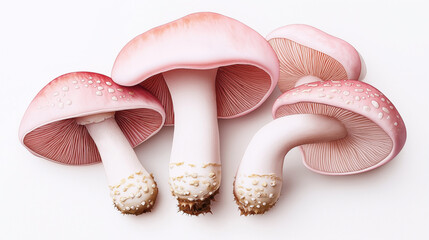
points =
(83, 118)
(207, 66)
(343, 127)
(307, 54)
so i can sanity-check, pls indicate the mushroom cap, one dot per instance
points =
(49, 129)
(248, 68)
(307, 51)
(376, 131)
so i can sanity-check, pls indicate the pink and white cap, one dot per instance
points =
(248, 67)
(307, 53)
(376, 131)
(49, 128)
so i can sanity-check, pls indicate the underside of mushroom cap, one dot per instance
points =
(49, 128)
(307, 51)
(247, 66)
(376, 131)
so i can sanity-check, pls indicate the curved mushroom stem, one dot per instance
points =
(132, 188)
(258, 180)
(195, 171)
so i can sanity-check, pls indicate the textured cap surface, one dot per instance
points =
(49, 130)
(376, 131)
(248, 67)
(304, 50)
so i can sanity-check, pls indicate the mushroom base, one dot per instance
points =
(196, 207)
(194, 185)
(256, 193)
(135, 194)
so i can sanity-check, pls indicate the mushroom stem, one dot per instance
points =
(307, 79)
(132, 188)
(195, 162)
(259, 177)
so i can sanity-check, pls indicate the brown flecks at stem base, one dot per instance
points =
(196, 207)
(211, 164)
(140, 210)
(258, 210)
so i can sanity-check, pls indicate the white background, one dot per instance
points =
(40, 40)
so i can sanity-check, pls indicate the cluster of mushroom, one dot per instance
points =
(206, 66)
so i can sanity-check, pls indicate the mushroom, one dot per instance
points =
(83, 118)
(307, 54)
(342, 127)
(207, 66)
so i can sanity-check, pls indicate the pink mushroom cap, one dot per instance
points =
(307, 51)
(248, 67)
(49, 129)
(376, 131)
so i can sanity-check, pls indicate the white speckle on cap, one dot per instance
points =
(377, 95)
(322, 95)
(108, 83)
(56, 93)
(382, 99)
(358, 90)
(65, 88)
(334, 90)
(366, 108)
(375, 104)
(98, 81)
(306, 90)
(321, 89)
(330, 96)
(357, 98)
(348, 102)
(385, 109)
(120, 89)
(312, 85)
(358, 85)
(372, 95)
(369, 90)
(89, 77)
(391, 107)
(100, 88)
(337, 85)
(327, 85)
(388, 117)
(99, 93)
(83, 80)
(90, 82)
(395, 123)
(68, 102)
(74, 82)
(76, 87)
(380, 115)
(346, 93)
(60, 105)
(86, 85)
(111, 90)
